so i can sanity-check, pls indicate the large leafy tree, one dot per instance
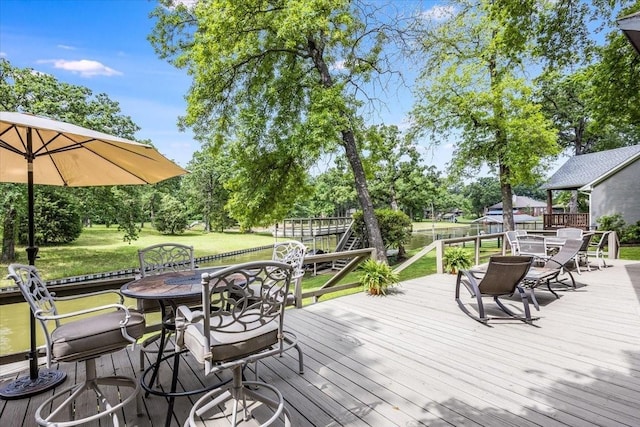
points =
(25, 89)
(281, 79)
(473, 89)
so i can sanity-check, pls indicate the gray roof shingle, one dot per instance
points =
(581, 170)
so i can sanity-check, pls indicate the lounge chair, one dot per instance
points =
(582, 255)
(562, 262)
(502, 278)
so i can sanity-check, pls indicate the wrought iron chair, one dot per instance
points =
(241, 327)
(84, 336)
(290, 252)
(158, 259)
(503, 278)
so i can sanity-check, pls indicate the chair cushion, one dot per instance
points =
(232, 344)
(94, 336)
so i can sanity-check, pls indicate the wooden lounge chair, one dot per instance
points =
(502, 278)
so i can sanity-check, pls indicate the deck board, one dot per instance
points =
(413, 358)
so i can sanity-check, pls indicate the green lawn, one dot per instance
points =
(100, 249)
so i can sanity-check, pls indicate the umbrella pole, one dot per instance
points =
(42, 380)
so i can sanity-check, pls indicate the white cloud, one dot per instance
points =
(66, 47)
(189, 4)
(3, 54)
(439, 13)
(84, 67)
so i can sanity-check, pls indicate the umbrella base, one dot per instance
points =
(26, 387)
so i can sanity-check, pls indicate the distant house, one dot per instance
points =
(521, 205)
(611, 178)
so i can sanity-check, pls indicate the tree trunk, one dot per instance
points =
(369, 216)
(507, 200)
(316, 48)
(8, 235)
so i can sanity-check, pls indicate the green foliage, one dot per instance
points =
(395, 227)
(56, 218)
(482, 193)
(377, 277)
(613, 222)
(172, 217)
(626, 234)
(456, 258)
(631, 234)
(264, 87)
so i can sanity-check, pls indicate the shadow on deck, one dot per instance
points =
(413, 358)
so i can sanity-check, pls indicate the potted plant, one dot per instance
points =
(377, 277)
(456, 258)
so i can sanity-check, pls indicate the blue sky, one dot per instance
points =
(102, 44)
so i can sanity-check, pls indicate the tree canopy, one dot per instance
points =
(278, 82)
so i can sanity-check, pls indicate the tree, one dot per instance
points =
(473, 83)
(483, 192)
(396, 228)
(25, 89)
(204, 187)
(171, 218)
(282, 80)
(399, 180)
(56, 218)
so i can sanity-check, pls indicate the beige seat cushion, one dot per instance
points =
(232, 344)
(93, 336)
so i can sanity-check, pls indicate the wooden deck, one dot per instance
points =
(413, 358)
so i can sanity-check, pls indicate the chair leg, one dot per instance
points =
(239, 391)
(91, 384)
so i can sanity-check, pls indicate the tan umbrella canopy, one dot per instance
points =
(69, 155)
(630, 25)
(38, 150)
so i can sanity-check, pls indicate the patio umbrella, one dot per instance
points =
(39, 150)
(630, 26)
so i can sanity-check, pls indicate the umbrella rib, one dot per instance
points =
(44, 151)
(10, 147)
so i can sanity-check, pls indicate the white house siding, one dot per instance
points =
(620, 193)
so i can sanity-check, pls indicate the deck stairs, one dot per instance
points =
(348, 242)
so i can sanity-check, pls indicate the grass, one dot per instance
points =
(101, 249)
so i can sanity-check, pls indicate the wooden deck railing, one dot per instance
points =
(555, 221)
